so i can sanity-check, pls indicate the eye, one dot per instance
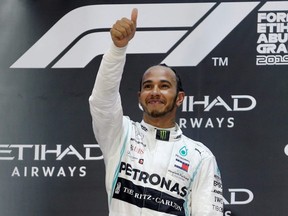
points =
(147, 86)
(165, 86)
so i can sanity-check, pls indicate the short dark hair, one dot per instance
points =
(178, 79)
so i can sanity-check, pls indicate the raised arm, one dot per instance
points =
(105, 102)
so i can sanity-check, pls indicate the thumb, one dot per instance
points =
(134, 15)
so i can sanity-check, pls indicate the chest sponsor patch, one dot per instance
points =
(181, 165)
(149, 198)
(163, 135)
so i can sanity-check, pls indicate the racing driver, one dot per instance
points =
(151, 167)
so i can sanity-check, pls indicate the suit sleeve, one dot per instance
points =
(105, 101)
(207, 199)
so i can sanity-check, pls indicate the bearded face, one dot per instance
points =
(158, 96)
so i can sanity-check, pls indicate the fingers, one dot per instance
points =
(122, 28)
(134, 15)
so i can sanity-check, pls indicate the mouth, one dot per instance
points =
(155, 101)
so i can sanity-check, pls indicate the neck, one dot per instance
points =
(159, 122)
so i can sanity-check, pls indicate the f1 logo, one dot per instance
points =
(82, 34)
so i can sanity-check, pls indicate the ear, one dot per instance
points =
(180, 98)
(139, 104)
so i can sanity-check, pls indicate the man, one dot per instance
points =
(151, 167)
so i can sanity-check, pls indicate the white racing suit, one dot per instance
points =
(149, 171)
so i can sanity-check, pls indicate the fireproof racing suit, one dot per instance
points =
(149, 171)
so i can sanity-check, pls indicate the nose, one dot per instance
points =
(155, 90)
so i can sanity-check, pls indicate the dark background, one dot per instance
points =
(48, 106)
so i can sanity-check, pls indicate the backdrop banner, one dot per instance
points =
(231, 55)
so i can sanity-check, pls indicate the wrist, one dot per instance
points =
(118, 50)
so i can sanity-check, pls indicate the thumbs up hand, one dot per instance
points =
(124, 30)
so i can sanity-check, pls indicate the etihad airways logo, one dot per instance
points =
(39, 152)
(31, 154)
(237, 103)
(185, 39)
